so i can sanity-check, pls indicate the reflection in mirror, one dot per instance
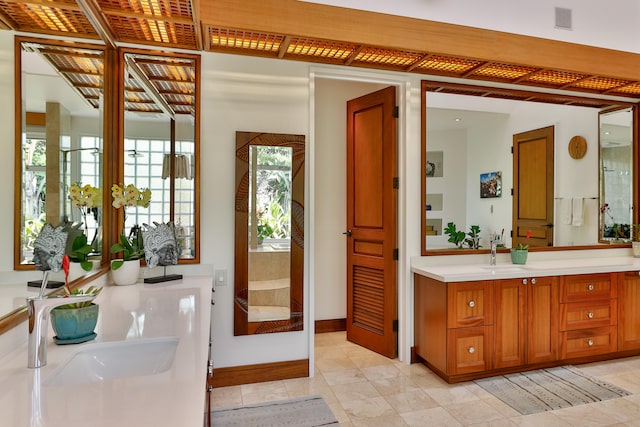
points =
(468, 133)
(269, 233)
(160, 144)
(59, 138)
(616, 174)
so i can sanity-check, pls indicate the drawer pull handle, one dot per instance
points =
(472, 303)
(590, 287)
(533, 281)
(525, 281)
(590, 315)
(589, 342)
(472, 350)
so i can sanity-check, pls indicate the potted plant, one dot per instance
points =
(455, 236)
(75, 322)
(473, 241)
(520, 252)
(126, 270)
(79, 252)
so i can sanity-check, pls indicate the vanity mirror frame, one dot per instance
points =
(171, 97)
(19, 126)
(635, 179)
(295, 322)
(521, 95)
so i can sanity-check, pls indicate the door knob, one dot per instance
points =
(347, 233)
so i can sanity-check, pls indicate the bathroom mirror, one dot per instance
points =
(160, 142)
(59, 138)
(269, 233)
(467, 134)
(616, 168)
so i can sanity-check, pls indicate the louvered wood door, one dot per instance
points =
(371, 222)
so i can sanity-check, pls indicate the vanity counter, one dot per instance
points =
(175, 397)
(504, 269)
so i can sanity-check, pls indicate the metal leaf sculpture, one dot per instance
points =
(160, 245)
(49, 248)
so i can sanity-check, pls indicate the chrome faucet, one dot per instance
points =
(494, 248)
(39, 309)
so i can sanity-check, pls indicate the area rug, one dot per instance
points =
(308, 411)
(549, 389)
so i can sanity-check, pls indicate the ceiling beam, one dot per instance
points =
(335, 23)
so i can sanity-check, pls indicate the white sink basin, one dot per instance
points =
(504, 268)
(112, 360)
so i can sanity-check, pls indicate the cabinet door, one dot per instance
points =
(469, 304)
(510, 297)
(542, 319)
(629, 311)
(469, 350)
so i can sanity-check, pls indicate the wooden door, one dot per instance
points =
(510, 306)
(371, 222)
(629, 310)
(542, 319)
(533, 187)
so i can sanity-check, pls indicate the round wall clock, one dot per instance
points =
(577, 147)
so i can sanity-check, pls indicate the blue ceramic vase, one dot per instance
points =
(74, 323)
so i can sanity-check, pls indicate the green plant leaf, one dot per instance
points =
(116, 264)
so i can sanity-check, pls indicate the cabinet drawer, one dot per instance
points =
(588, 342)
(469, 350)
(469, 304)
(581, 315)
(587, 287)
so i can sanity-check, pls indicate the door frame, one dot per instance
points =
(406, 206)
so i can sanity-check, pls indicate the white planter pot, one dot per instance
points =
(127, 274)
(635, 247)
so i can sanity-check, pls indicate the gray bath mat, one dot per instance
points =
(309, 411)
(549, 389)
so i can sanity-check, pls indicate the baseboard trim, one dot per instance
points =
(248, 374)
(331, 325)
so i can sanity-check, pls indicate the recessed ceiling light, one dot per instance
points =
(457, 119)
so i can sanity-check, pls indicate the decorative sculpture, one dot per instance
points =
(161, 248)
(49, 248)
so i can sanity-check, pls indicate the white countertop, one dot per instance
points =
(172, 398)
(474, 270)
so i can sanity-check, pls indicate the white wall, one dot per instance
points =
(241, 93)
(452, 185)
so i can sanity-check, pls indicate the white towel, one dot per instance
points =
(577, 211)
(564, 208)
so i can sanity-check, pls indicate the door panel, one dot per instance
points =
(371, 221)
(533, 187)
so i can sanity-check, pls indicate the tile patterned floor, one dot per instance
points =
(365, 389)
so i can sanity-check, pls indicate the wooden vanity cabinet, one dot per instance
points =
(588, 315)
(468, 330)
(526, 321)
(629, 310)
(453, 330)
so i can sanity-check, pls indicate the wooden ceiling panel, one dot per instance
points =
(175, 24)
(59, 17)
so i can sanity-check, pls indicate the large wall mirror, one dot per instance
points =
(59, 139)
(160, 141)
(616, 167)
(467, 138)
(269, 233)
